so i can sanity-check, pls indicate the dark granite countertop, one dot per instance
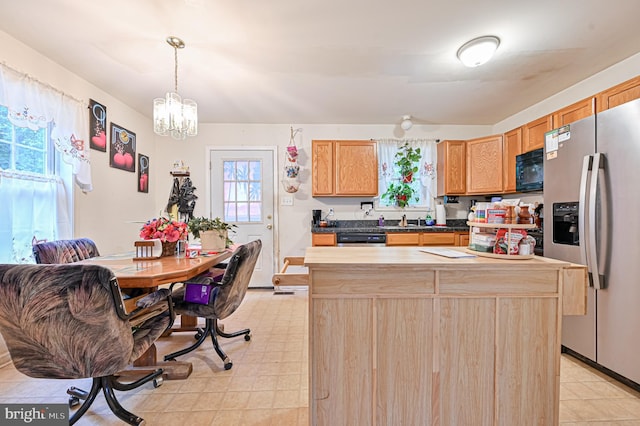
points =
(459, 225)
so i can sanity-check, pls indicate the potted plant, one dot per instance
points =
(401, 192)
(213, 233)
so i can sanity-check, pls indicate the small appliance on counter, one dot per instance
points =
(317, 216)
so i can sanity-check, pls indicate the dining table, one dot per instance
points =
(144, 276)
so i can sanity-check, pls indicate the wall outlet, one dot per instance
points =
(286, 201)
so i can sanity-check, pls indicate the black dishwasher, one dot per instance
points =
(369, 239)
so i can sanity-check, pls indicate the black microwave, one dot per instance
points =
(530, 171)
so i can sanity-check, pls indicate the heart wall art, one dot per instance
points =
(98, 126)
(143, 173)
(123, 148)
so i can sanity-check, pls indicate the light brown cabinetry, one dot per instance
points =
(328, 239)
(617, 95)
(476, 342)
(462, 239)
(511, 148)
(421, 239)
(484, 165)
(344, 168)
(533, 134)
(451, 167)
(438, 239)
(574, 112)
(403, 239)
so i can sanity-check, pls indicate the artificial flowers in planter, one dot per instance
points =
(168, 231)
(402, 191)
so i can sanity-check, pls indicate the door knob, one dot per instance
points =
(269, 226)
(268, 216)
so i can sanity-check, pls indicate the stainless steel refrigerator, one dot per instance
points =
(592, 209)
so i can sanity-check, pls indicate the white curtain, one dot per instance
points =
(34, 104)
(426, 184)
(27, 213)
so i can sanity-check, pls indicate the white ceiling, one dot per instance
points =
(330, 61)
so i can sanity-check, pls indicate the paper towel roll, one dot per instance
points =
(441, 215)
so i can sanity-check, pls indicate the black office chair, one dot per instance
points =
(225, 298)
(67, 321)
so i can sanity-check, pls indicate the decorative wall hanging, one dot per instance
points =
(143, 173)
(98, 126)
(291, 171)
(123, 148)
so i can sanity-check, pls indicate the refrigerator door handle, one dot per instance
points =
(582, 208)
(598, 163)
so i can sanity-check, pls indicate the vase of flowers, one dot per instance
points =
(168, 231)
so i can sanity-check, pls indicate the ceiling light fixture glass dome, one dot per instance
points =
(478, 51)
(406, 122)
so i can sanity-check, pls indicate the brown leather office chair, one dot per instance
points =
(226, 296)
(69, 321)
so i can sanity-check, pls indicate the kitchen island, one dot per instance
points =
(400, 336)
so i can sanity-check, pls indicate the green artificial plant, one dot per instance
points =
(401, 192)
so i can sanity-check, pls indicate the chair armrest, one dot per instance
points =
(153, 304)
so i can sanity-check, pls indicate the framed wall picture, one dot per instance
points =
(143, 173)
(122, 151)
(98, 126)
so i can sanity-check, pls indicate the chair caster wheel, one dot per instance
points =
(158, 381)
(228, 365)
(197, 336)
(247, 337)
(73, 401)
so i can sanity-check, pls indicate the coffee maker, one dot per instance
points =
(317, 216)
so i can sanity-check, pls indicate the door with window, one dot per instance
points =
(242, 194)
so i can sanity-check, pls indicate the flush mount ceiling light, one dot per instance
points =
(478, 51)
(172, 114)
(406, 122)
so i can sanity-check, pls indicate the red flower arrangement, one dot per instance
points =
(166, 230)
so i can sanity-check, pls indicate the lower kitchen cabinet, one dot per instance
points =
(413, 339)
(403, 239)
(328, 239)
(421, 239)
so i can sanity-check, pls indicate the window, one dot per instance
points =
(423, 182)
(242, 191)
(33, 190)
(23, 149)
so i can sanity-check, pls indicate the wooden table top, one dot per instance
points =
(154, 272)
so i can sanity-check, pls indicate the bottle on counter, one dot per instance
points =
(381, 221)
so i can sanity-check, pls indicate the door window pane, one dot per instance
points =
(242, 183)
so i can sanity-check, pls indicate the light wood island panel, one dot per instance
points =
(399, 336)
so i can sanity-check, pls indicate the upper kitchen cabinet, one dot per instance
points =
(484, 165)
(512, 147)
(323, 175)
(617, 95)
(533, 134)
(452, 167)
(344, 168)
(574, 112)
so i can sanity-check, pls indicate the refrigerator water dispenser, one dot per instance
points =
(565, 223)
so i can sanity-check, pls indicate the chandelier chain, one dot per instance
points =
(175, 51)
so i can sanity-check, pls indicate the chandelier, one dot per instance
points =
(172, 114)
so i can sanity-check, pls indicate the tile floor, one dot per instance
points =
(268, 384)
